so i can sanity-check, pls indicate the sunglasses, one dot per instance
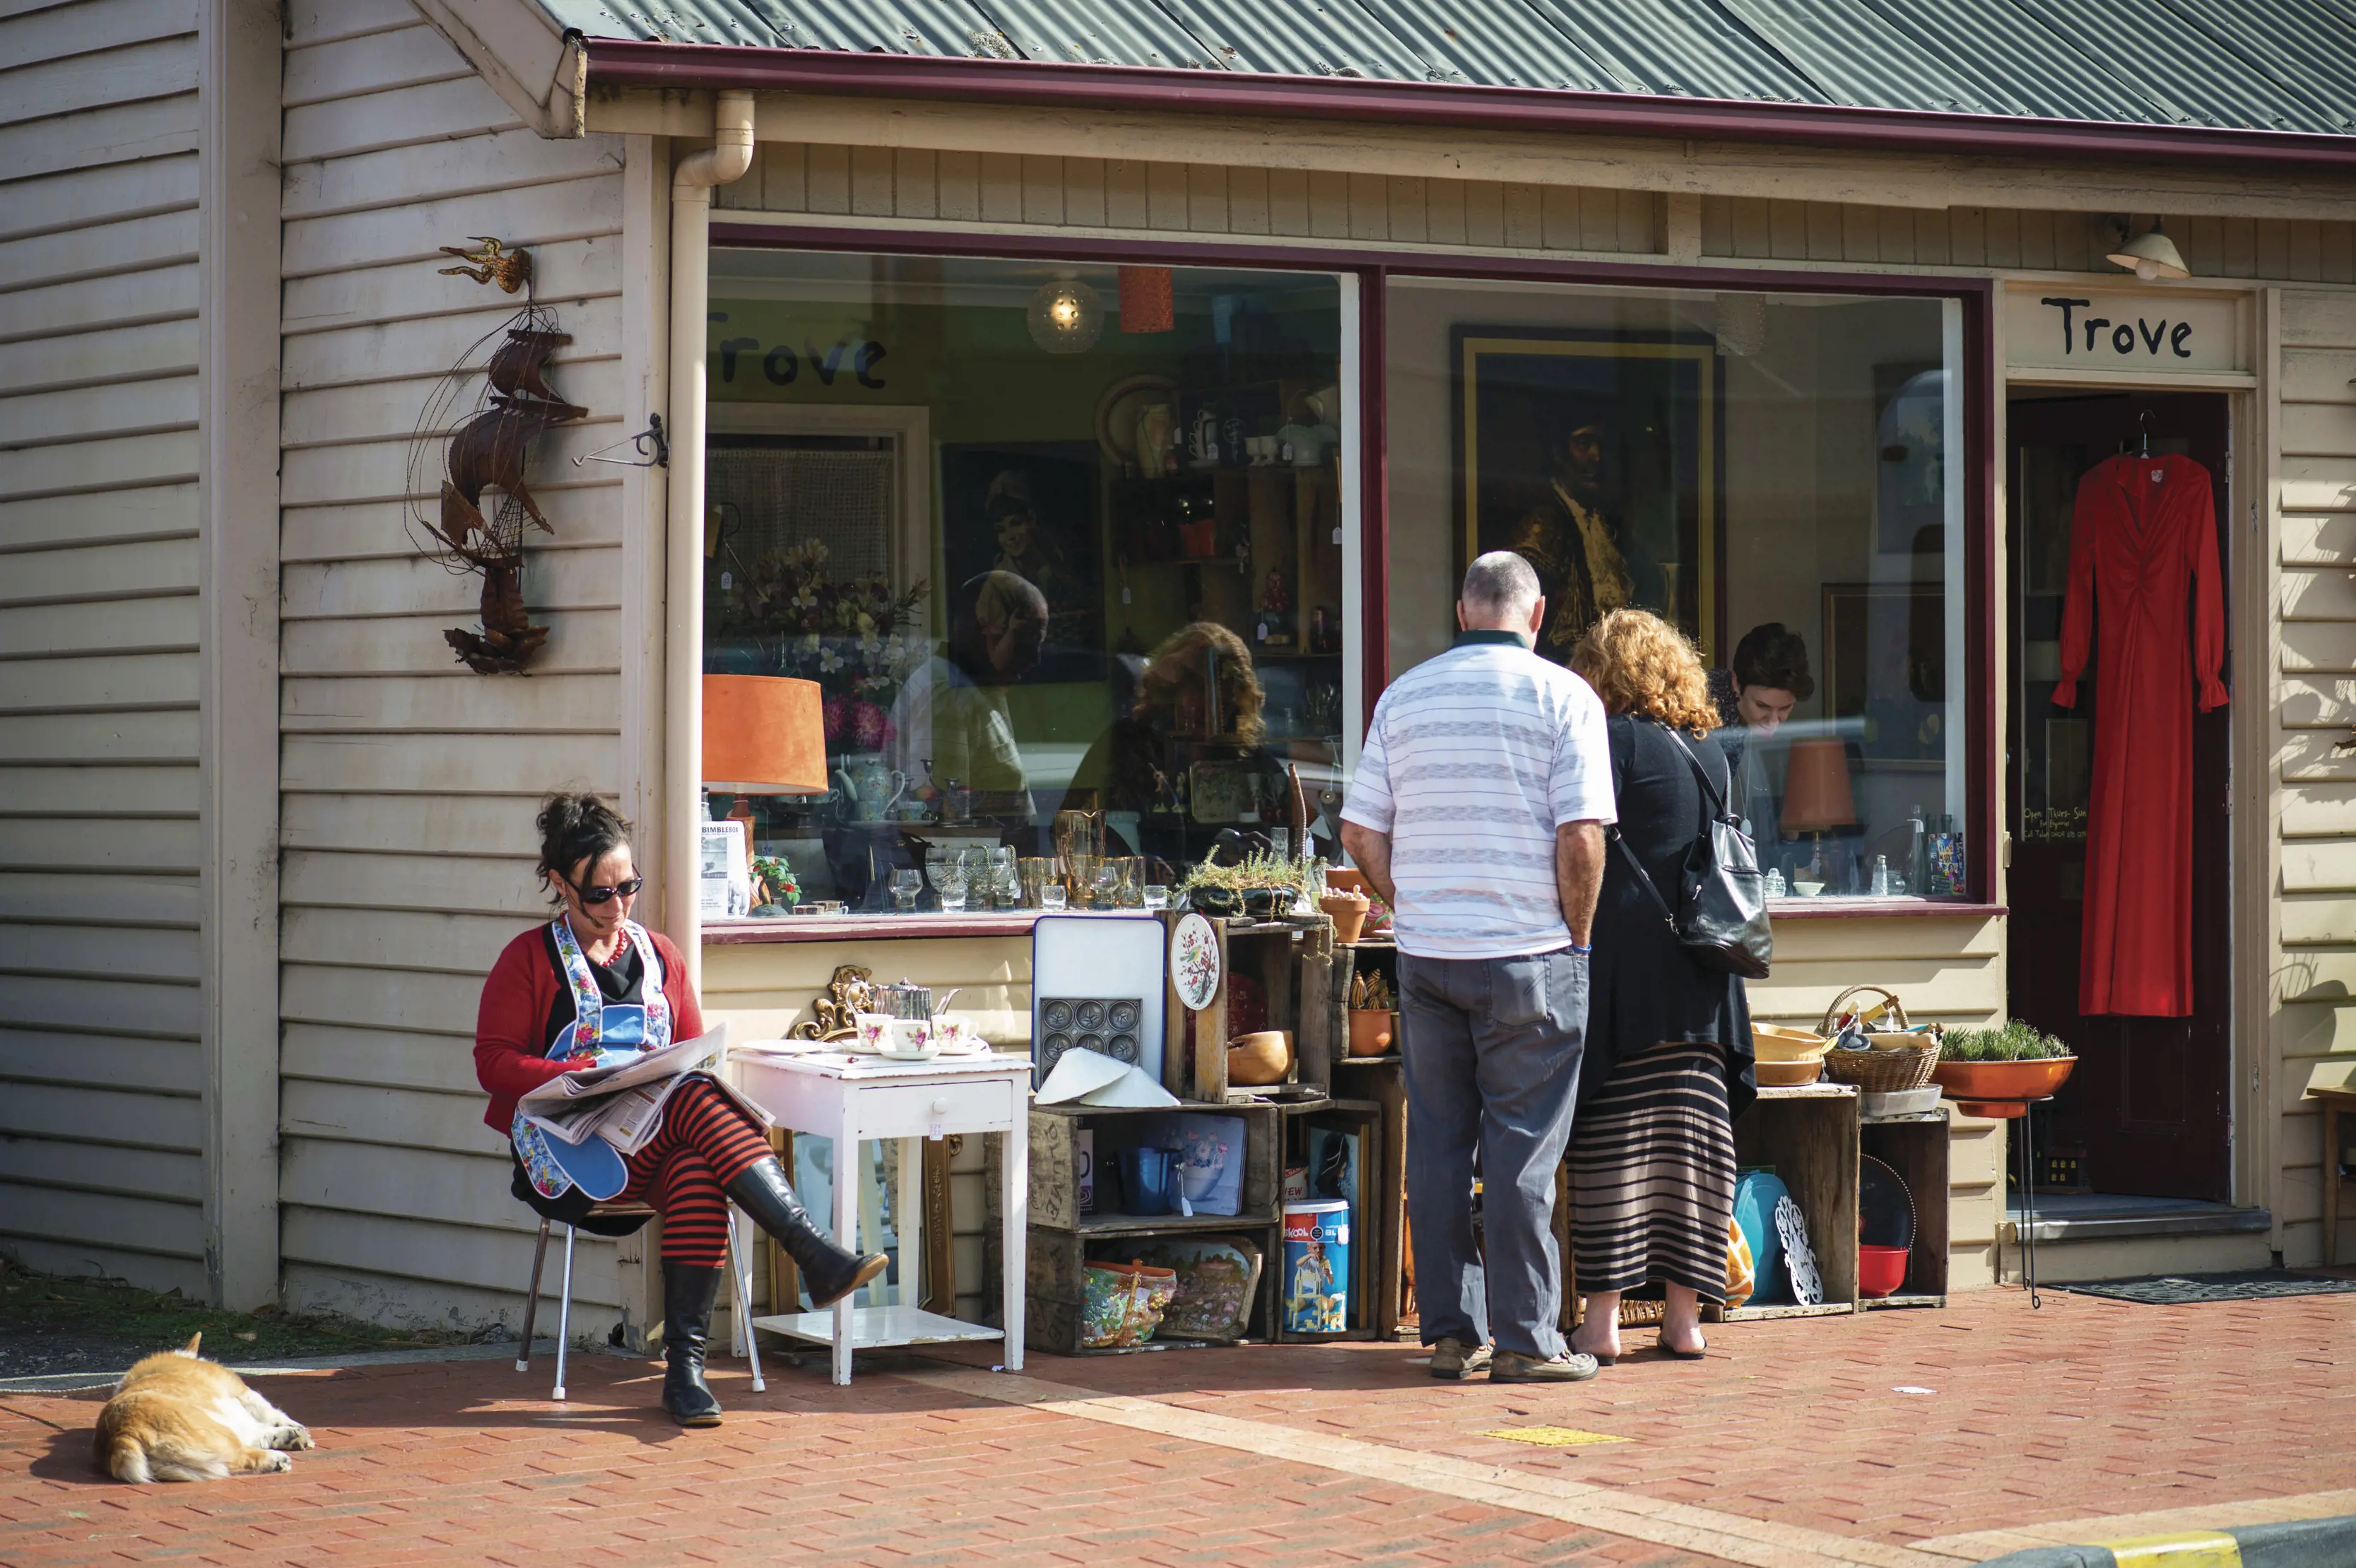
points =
(596, 896)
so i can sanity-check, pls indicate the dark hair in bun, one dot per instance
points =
(577, 827)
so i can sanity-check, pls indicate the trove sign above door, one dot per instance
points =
(2165, 333)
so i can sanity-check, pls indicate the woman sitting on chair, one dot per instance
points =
(594, 987)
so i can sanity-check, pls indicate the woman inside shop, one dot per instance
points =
(1668, 1062)
(1189, 757)
(1769, 678)
(592, 987)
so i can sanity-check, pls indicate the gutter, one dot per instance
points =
(623, 62)
(692, 179)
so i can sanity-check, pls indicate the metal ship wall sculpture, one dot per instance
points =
(485, 455)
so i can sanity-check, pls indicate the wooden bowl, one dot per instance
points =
(1256, 1060)
(1373, 1031)
(1787, 1074)
(1773, 1042)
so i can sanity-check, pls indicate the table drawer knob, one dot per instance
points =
(941, 1108)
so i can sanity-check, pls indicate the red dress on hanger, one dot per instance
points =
(2143, 539)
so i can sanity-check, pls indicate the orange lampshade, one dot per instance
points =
(764, 734)
(1816, 788)
(1146, 300)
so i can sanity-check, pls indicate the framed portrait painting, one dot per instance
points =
(1033, 509)
(1598, 456)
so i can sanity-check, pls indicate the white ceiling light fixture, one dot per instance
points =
(1066, 316)
(2150, 256)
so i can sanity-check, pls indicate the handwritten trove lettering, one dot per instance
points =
(780, 364)
(2123, 336)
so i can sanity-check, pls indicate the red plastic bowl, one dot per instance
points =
(1879, 1270)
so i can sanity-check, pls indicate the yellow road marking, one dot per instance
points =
(2193, 1549)
(1553, 1436)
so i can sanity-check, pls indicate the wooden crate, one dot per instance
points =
(1916, 1148)
(1055, 1291)
(1367, 1218)
(1383, 1082)
(1056, 1167)
(1379, 954)
(1292, 960)
(1810, 1136)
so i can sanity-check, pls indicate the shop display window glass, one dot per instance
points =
(1063, 547)
(1779, 475)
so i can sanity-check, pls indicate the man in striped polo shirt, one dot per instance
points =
(1478, 813)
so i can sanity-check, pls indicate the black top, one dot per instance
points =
(1645, 991)
(622, 981)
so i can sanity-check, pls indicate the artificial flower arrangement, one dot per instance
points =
(778, 885)
(853, 635)
(1259, 885)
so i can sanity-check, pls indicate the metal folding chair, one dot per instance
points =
(741, 1339)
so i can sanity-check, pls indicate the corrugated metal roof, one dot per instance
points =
(2256, 65)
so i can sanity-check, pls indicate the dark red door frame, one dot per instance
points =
(1372, 267)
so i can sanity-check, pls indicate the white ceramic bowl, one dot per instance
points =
(1807, 889)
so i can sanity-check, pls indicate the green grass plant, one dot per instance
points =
(2011, 1040)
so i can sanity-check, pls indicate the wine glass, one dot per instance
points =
(906, 883)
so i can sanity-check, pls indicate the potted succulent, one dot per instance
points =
(1995, 1072)
(1259, 886)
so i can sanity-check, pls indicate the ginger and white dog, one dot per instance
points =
(175, 1417)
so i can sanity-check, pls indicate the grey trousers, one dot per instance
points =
(1492, 1047)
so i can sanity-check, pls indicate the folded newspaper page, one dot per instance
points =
(623, 1104)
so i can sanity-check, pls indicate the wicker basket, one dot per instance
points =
(1879, 1071)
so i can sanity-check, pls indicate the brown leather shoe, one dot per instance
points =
(1456, 1360)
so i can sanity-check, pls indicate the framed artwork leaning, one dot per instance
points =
(1599, 457)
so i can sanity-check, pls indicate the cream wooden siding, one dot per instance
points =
(1005, 188)
(2315, 970)
(766, 989)
(102, 1117)
(1043, 192)
(410, 783)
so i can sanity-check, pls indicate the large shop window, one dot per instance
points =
(1063, 547)
(1779, 475)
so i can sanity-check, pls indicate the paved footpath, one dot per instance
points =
(1912, 1439)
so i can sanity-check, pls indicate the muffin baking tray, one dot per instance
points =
(1105, 1024)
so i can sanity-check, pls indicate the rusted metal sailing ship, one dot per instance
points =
(487, 455)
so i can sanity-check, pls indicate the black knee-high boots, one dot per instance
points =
(689, 1291)
(829, 1270)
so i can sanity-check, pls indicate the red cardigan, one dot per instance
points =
(511, 1026)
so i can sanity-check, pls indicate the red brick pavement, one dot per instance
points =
(428, 1464)
(2086, 1408)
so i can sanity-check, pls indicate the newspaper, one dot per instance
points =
(623, 1104)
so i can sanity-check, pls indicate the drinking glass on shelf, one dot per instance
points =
(953, 891)
(1035, 871)
(1107, 887)
(906, 883)
(1050, 896)
(1157, 896)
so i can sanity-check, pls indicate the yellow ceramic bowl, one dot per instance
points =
(1256, 1060)
(1787, 1074)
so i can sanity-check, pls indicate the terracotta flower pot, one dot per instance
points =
(1371, 1030)
(1999, 1088)
(1342, 879)
(1255, 1060)
(1348, 912)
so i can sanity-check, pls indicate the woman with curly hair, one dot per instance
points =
(1669, 1061)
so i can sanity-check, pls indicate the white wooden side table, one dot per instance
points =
(849, 1098)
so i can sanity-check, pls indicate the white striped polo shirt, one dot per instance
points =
(1473, 761)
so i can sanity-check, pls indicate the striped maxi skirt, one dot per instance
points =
(1651, 1175)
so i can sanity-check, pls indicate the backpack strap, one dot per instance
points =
(1643, 877)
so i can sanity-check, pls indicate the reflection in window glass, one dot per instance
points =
(1061, 544)
(1779, 475)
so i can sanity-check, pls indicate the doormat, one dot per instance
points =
(2184, 1290)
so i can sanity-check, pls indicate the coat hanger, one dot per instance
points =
(2143, 427)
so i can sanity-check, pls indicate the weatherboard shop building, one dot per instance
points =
(1183, 317)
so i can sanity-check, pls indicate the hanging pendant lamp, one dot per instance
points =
(2151, 256)
(1066, 316)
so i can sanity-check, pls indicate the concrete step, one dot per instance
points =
(2084, 1237)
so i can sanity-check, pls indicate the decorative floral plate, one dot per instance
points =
(1195, 962)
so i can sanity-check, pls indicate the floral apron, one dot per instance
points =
(611, 1033)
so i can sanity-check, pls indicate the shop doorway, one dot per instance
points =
(2147, 1112)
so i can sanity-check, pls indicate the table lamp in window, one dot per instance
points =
(762, 735)
(1816, 796)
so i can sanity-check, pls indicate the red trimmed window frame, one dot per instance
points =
(1373, 266)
